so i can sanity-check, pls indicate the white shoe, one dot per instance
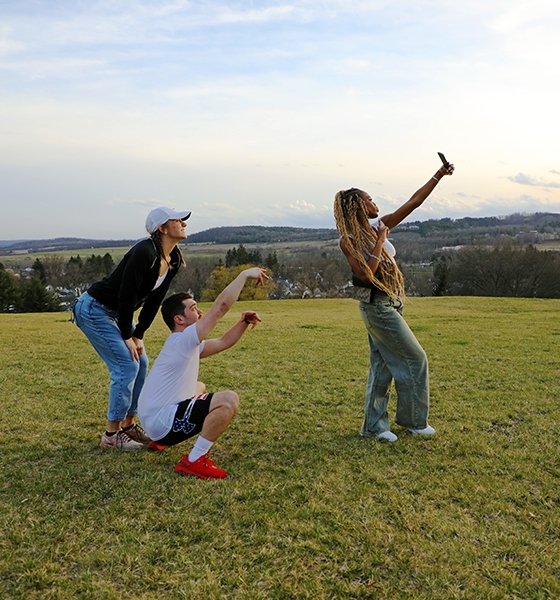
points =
(428, 430)
(119, 441)
(387, 436)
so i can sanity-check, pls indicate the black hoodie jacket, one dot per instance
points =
(131, 285)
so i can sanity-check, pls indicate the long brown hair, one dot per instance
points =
(156, 238)
(360, 237)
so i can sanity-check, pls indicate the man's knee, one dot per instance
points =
(232, 401)
(229, 400)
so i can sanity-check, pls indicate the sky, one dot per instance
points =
(258, 112)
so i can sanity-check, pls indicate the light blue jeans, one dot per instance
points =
(395, 354)
(99, 324)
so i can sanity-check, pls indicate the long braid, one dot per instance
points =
(156, 238)
(353, 225)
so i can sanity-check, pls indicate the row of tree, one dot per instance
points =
(73, 273)
(25, 295)
(50, 284)
(505, 269)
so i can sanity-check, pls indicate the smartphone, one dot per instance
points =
(443, 159)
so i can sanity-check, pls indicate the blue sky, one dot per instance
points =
(258, 112)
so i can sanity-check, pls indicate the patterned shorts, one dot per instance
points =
(188, 420)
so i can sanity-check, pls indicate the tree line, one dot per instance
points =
(504, 269)
(50, 284)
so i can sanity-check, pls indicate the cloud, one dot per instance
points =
(303, 207)
(464, 195)
(8, 45)
(272, 13)
(523, 179)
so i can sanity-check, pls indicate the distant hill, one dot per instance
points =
(218, 235)
(442, 232)
(66, 243)
(256, 234)
(517, 221)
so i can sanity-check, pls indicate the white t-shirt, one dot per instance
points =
(171, 380)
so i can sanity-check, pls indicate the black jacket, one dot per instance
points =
(131, 285)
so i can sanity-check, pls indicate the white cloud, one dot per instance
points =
(303, 207)
(523, 179)
(271, 13)
(161, 101)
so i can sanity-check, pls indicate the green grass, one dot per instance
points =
(310, 510)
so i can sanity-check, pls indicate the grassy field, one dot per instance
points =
(26, 260)
(310, 510)
(550, 245)
(198, 250)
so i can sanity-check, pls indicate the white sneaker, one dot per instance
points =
(119, 441)
(387, 436)
(428, 430)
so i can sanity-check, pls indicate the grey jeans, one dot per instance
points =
(395, 354)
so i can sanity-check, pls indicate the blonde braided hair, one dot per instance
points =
(360, 237)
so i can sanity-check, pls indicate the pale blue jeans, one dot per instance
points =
(395, 354)
(99, 324)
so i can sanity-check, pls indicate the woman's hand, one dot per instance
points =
(382, 231)
(135, 347)
(442, 171)
(132, 349)
(139, 345)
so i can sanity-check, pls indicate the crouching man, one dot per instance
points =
(172, 407)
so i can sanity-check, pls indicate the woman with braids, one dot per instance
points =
(395, 354)
(105, 314)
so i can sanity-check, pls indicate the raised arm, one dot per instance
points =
(394, 218)
(226, 298)
(231, 336)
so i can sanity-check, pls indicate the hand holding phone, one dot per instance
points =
(443, 159)
(449, 168)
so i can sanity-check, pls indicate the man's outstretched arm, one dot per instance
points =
(226, 298)
(231, 336)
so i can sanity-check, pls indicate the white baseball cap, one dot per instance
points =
(160, 215)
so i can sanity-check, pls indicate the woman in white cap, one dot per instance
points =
(105, 315)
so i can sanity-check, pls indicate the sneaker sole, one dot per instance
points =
(417, 433)
(140, 441)
(111, 447)
(197, 475)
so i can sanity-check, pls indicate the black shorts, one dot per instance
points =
(188, 419)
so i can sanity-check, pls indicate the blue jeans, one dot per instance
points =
(395, 354)
(99, 324)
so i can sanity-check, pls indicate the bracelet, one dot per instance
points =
(246, 322)
(377, 258)
(435, 178)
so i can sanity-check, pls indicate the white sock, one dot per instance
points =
(200, 448)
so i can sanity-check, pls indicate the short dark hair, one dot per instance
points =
(173, 305)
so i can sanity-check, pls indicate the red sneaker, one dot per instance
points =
(203, 468)
(155, 447)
